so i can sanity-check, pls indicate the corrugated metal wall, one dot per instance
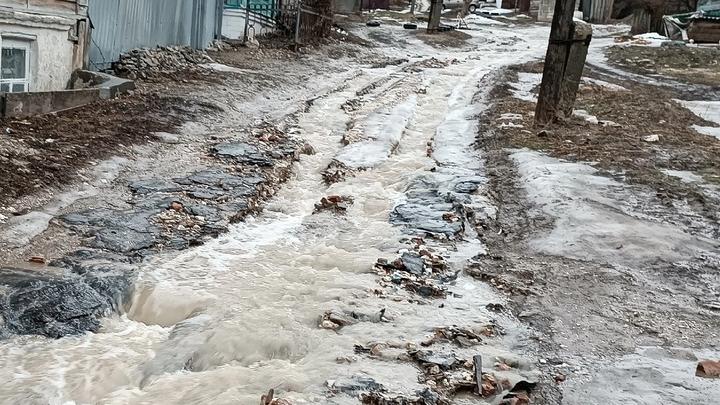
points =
(598, 11)
(121, 25)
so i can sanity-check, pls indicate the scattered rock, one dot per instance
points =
(164, 60)
(243, 153)
(335, 203)
(336, 172)
(463, 337)
(651, 138)
(354, 385)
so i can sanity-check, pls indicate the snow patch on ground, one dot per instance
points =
(600, 30)
(383, 131)
(707, 110)
(593, 220)
(684, 176)
(604, 84)
(475, 19)
(582, 114)
(712, 131)
(525, 85)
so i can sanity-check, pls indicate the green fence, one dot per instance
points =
(264, 7)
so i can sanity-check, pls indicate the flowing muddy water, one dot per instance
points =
(224, 322)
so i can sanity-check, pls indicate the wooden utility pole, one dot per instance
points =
(564, 62)
(436, 7)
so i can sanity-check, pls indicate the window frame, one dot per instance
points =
(25, 45)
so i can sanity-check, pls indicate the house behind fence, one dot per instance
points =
(43, 42)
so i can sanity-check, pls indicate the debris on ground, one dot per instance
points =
(335, 320)
(424, 397)
(463, 337)
(336, 172)
(708, 369)
(334, 203)
(269, 399)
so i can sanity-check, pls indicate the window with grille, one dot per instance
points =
(15, 66)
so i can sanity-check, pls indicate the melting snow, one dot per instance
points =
(383, 131)
(712, 131)
(685, 176)
(708, 110)
(523, 89)
(593, 215)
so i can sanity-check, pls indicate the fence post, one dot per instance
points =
(297, 25)
(247, 21)
(581, 37)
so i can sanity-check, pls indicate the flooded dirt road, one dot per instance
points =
(411, 246)
(225, 322)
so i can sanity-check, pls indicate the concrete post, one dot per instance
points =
(581, 36)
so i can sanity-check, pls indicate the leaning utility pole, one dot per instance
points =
(436, 7)
(564, 63)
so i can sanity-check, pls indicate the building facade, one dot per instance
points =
(43, 42)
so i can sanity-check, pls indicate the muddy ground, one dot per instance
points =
(690, 64)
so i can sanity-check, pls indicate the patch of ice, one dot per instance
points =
(593, 220)
(684, 176)
(604, 84)
(523, 89)
(383, 131)
(712, 131)
(708, 110)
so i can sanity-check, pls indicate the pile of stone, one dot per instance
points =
(163, 60)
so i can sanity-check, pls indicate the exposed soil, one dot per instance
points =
(699, 65)
(450, 39)
(46, 151)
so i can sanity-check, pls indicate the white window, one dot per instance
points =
(15, 66)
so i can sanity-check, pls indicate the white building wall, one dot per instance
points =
(51, 54)
(233, 25)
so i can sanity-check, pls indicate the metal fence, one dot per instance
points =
(121, 25)
(294, 19)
